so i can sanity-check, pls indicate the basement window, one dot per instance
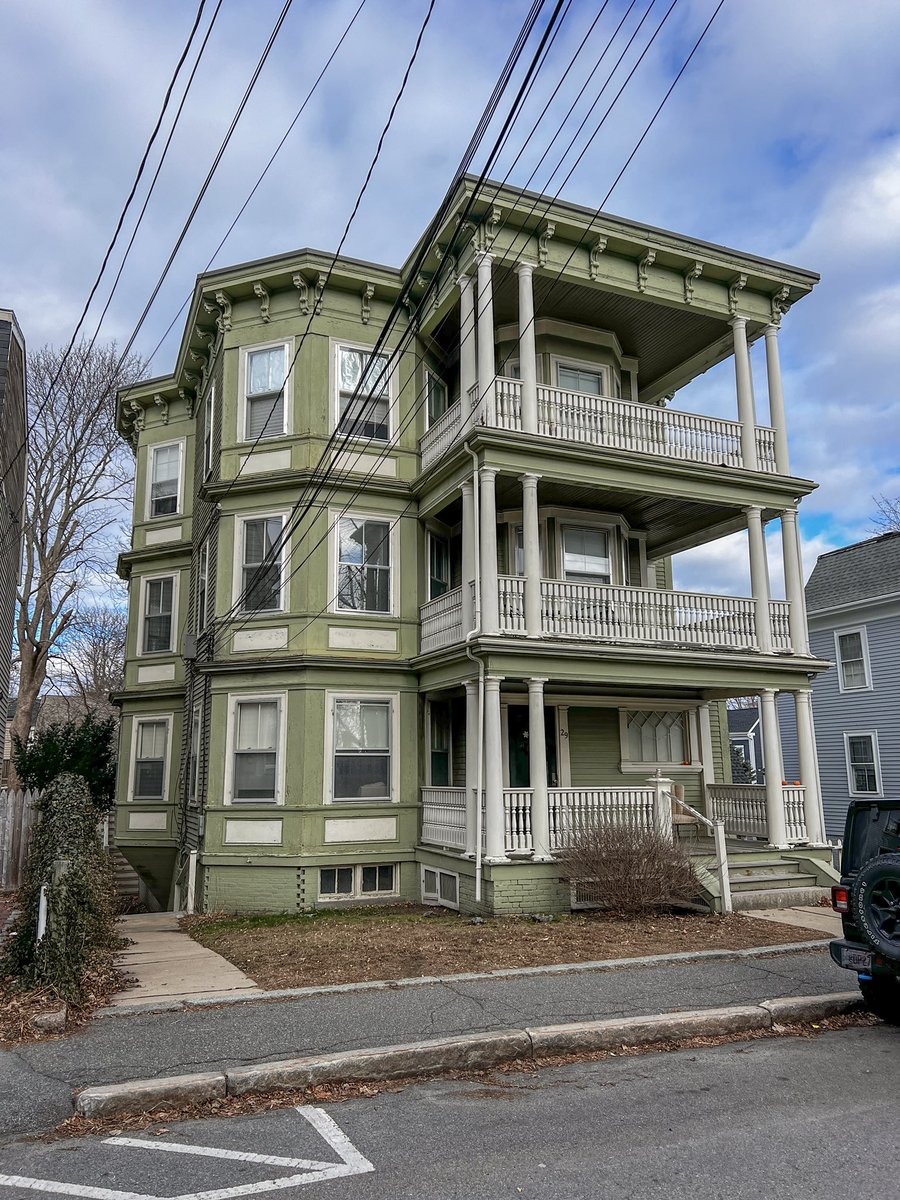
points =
(440, 887)
(358, 882)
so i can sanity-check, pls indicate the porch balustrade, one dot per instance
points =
(444, 817)
(441, 620)
(606, 421)
(742, 806)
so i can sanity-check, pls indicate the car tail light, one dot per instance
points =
(840, 898)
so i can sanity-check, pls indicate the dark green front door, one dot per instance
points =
(519, 772)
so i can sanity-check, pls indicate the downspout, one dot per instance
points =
(473, 633)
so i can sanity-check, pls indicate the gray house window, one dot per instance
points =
(862, 764)
(852, 655)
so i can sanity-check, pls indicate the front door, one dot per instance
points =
(519, 771)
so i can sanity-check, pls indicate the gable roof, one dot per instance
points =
(862, 571)
(742, 720)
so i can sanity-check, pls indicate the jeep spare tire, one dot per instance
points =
(875, 903)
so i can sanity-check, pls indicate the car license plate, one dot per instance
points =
(856, 960)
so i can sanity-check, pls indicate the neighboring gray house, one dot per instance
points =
(853, 608)
(745, 735)
(12, 482)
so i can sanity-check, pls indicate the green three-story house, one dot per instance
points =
(475, 601)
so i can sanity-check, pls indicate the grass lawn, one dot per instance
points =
(359, 945)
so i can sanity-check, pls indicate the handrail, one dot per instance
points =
(718, 828)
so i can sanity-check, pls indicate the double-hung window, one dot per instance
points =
(264, 393)
(586, 556)
(440, 737)
(579, 379)
(438, 566)
(159, 603)
(165, 479)
(862, 764)
(362, 751)
(150, 745)
(437, 397)
(261, 565)
(255, 762)
(852, 656)
(209, 412)
(364, 393)
(364, 565)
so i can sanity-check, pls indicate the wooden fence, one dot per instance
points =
(16, 819)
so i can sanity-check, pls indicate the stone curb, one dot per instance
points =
(468, 1052)
(385, 985)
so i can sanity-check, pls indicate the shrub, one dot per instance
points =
(627, 869)
(86, 748)
(66, 853)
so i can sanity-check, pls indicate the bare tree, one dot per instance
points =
(79, 482)
(92, 661)
(887, 519)
(735, 702)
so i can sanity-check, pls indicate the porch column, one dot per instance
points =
(468, 556)
(776, 401)
(532, 547)
(772, 754)
(793, 580)
(759, 578)
(809, 775)
(537, 766)
(486, 373)
(490, 607)
(746, 403)
(494, 823)
(527, 355)
(468, 363)
(471, 766)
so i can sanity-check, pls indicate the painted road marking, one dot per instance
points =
(313, 1171)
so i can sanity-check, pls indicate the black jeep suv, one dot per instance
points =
(868, 899)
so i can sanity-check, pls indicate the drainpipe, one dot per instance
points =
(473, 633)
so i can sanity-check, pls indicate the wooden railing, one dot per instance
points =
(517, 820)
(444, 817)
(742, 806)
(441, 621)
(606, 421)
(780, 618)
(572, 809)
(511, 603)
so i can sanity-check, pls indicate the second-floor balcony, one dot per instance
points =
(606, 422)
(616, 614)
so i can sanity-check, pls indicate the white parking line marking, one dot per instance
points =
(314, 1171)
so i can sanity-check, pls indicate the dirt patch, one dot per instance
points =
(359, 945)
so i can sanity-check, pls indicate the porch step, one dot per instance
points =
(772, 880)
(778, 897)
(746, 870)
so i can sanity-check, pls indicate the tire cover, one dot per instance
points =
(877, 871)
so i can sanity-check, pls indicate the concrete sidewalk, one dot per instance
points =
(804, 916)
(36, 1081)
(166, 964)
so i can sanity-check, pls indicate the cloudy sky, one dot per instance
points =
(782, 138)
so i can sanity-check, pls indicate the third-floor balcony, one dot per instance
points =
(602, 421)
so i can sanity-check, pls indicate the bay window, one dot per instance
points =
(362, 750)
(256, 733)
(586, 555)
(261, 564)
(165, 480)
(265, 373)
(364, 393)
(151, 739)
(159, 602)
(364, 565)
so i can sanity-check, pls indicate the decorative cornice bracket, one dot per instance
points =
(780, 304)
(366, 307)
(737, 285)
(303, 288)
(643, 269)
(224, 319)
(544, 243)
(595, 254)
(262, 293)
(693, 272)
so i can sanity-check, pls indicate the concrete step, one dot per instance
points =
(778, 897)
(745, 870)
(768, 880)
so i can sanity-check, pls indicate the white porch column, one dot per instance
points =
(793, 580)
(532, 548)
(809, 775)
(471, 766)
(468, 362)
(527, 354)
(468, 556)
(776, 401)
(759, 578)
(494, 823)
(490, 606)
(537, 765)
(774, 769)
(746, 403)
(486, 373)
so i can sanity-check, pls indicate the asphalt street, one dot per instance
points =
(36, 1081)
(791, 1118)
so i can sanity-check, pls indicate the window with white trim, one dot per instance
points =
(863, 767)
(363, 393)
(159, 606)
(261, 580)
(265, 376)
(851, 651)
(572, 378)
(440, 887)
(364, 565)
(256, 734)
(195, 756)
(437, 397)
(358, 882)
(209, 410)
(586, 554)
(151, 740)
(202, 585)
(656, 737)
(362, 751)
(165, 480)
(438, 566)
(440, 737)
